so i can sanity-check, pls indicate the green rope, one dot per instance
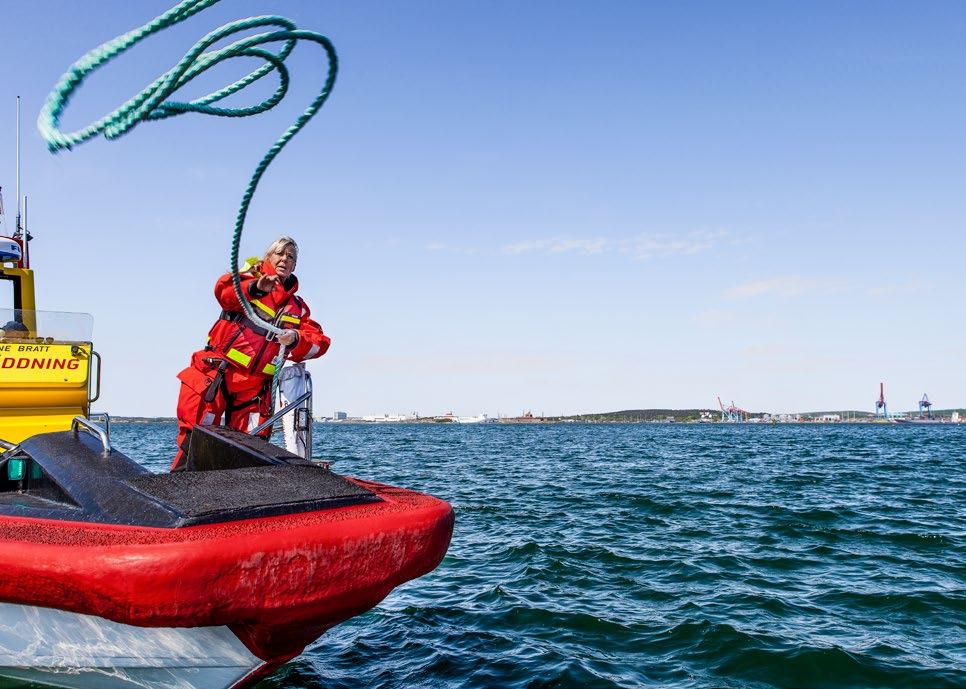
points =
(152, 103)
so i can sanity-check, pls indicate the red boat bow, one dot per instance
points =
(277, 582)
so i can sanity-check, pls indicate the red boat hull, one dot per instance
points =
(277, 582)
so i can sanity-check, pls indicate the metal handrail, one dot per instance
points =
(303, 425)
(107, 421)
(307, 419)
(91, 400)
(80, 421)
(281, 412)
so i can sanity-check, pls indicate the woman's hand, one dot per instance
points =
(266, 283)
(288, 337)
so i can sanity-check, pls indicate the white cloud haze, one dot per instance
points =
(640, 247)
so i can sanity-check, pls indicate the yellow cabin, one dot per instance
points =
(45, 362)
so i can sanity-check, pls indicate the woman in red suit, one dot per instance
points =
(232, 375)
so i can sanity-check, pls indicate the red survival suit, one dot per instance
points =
(232, 375)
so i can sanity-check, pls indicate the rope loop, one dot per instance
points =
(154, 101)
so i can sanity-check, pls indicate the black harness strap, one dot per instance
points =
(242, 319)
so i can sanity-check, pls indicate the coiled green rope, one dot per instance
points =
(152, 103)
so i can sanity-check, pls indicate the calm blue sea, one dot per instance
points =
(659, 556)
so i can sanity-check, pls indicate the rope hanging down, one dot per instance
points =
(152, 103)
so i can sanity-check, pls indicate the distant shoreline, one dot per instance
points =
(661, 416)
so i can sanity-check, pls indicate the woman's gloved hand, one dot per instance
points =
(266, 283)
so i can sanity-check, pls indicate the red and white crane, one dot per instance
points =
(732, 413)
(880, 404)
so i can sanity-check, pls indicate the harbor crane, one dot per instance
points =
(880, 404)
(925, 406)
(732, 413)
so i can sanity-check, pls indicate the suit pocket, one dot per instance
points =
(195, 379)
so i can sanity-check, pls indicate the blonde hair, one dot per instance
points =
(280, 244)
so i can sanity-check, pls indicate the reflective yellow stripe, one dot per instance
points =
(240, 357)
(252, 262)
(267, 309)
(269, 369)
(291, 319)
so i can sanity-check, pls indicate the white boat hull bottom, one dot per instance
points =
(65, 649)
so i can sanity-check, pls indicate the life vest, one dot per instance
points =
(247, 344)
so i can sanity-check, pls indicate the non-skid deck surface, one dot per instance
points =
(252, 489)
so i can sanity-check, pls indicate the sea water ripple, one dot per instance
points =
(658, 555)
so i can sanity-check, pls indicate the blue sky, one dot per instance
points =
(557, 206)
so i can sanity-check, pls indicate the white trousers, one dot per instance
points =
(292, 382)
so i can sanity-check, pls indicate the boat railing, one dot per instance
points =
(92, 380)
(81, 422)
(107, 421)
(301, 408)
